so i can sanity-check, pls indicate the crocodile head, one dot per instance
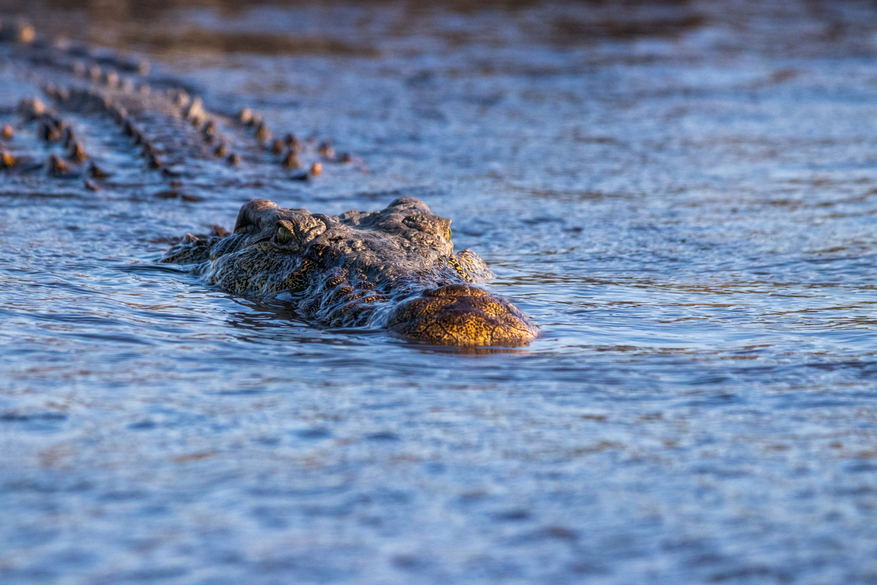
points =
(394, 268)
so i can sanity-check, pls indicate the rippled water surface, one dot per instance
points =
(682, 198)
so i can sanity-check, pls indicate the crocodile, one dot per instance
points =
(163, 132)
(394, 269)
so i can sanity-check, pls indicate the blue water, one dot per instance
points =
(682, 198)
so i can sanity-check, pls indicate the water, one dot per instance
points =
(681, 197)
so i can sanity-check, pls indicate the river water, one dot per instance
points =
(681, 197)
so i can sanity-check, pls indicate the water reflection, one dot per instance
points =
(156, 25)
(681, 195)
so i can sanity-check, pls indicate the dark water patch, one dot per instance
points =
(625, 28)
(122, 496)
(213, 41)
(314, 434)
(48, 485)
(26, 194)
(149, 268)
(13, 417)
(382, 437)
(150, 575)
(303, 489)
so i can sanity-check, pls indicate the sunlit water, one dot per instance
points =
(685, 207)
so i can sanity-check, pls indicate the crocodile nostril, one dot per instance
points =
(462, 315)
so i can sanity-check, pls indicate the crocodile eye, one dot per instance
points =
(449, 234)
(283, 235)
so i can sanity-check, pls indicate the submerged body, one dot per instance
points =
(394, 268)
(100, 117)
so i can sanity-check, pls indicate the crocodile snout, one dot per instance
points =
(462, 315)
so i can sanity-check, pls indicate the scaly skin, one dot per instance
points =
(394, 268)
(173, 134)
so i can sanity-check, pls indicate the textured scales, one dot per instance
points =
(162, 136)
(394, 268)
